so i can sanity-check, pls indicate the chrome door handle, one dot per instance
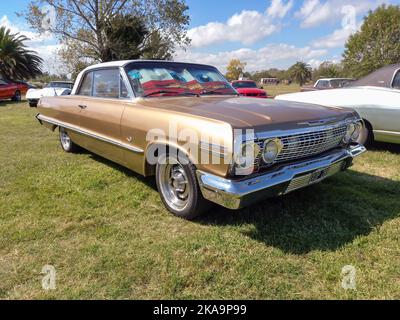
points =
(82, 106)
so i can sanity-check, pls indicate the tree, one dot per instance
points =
(377, 43)
(235, 69)
(328, 69)
(16, 61)
(300, 72)
(271, 73)
(104, 30)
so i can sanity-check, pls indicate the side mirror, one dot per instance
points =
(261, 87)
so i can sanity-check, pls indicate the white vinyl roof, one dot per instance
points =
(329, 79)
(123, 63)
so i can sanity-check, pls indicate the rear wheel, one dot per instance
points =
(178, 187)
(33, 104)
(17, 96)
(66, 142)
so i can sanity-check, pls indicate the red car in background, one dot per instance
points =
(248, 88)
(12, 90)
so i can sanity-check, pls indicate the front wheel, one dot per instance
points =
(66, 143)
(17, 96)
(366, 137)
(178, 187)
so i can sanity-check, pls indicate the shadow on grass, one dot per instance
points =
(322, 217)
(383, 146)
(149, 181)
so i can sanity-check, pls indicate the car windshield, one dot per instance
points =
(157, 79)
(60, 85)
(244, 84)
(338, 83)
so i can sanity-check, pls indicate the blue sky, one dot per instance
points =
(263, 33)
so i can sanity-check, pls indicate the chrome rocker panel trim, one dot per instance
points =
(57, 123)
(235, 194)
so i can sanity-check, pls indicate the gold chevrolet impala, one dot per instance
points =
(186, 125)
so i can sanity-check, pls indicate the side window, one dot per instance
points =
(323, 84)
(86, 85)
(396, 81)
(106, 83)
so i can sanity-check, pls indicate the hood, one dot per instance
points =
(250, 90)
(241, 112)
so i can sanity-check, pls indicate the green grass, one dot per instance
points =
(274, 90)
(108, 235)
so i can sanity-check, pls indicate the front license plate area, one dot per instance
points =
(319, 175)
(313, 177)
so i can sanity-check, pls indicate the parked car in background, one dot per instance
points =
(375, 97)
(184, 124)
(54, 88)
(248, 88)
(325, 84)
(12, 90)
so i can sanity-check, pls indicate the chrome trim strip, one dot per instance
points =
(235, 194)
(391, 133)
(87, 133)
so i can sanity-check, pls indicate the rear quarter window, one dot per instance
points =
(396, 81)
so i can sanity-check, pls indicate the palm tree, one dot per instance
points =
(300, 72)
(16, 60)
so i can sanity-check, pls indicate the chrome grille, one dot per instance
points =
(297, 146)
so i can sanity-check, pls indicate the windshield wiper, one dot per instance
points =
(210, 92)
(173, 92)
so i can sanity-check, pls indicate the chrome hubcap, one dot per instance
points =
(174, 185)
(65, 139)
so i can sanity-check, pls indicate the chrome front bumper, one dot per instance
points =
(235, 194)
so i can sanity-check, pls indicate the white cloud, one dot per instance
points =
(335, 40)
(279, 8)
(272, 55)
(246, 27)
(32, 36)
(315, 12)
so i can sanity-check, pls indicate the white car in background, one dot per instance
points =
(53, 89)
(375, 97)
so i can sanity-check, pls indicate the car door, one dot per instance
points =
(3, 89)
(387, 117)
(101, 113)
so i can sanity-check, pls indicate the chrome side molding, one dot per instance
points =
(67, 126)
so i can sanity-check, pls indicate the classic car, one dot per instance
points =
(12, 90)
(328, 83)
(375, 97)
(248, 88)
(184, 124)
(53, 89)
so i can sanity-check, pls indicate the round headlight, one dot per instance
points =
(271, 150)
(351, 127)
